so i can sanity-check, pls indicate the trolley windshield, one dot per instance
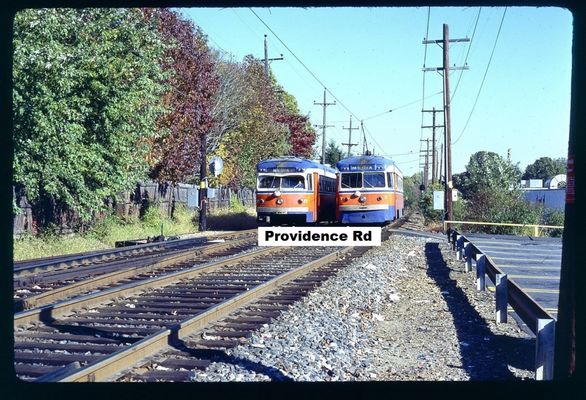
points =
(281, 182)
(362, 180)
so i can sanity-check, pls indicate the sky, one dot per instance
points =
(370, 59)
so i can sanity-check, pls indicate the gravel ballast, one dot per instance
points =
(404, 311)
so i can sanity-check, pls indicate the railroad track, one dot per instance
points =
(40, 266)
(169, 323)
(41, 288)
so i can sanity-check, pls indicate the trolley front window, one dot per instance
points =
(268, 182)
(284, 182)
(351, 180)
(374, 179)
(293, 182)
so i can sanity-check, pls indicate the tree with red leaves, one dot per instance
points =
(175, 152)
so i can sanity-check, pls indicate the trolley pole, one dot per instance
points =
(324, 126)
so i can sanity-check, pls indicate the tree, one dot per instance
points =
(176, 154)
(301, 133)
(487, 170)
(257, 134)
(545, 168)
(333, 153)
(87, 84)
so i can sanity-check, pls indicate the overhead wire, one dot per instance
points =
(484, 77)
(467, 54)
(303, 64)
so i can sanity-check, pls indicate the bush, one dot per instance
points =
(553, 217)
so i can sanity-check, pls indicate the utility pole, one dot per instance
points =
(324, 126)
(439, 178)
(267, 59)
(434, 171)
(203, 191)
(425, 177)
(445, 70)
(350, 144)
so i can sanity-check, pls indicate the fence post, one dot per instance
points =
(480, 272)
(536, 231)
(502, 297)
(544, 349)
(468, 256)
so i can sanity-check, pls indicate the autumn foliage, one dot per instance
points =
(104, 98)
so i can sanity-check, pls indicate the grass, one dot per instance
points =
(105, 234)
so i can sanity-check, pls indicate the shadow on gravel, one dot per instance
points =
(220, 356)
(485, 356)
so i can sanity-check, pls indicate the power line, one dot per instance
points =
(423, 86)
(399, 107)
(467, 53)
(303, 64)
(484, 77)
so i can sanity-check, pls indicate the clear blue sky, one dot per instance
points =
(371, 59)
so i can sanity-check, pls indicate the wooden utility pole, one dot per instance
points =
(203, 191)
(425, 177)
(350, 144)
(434, 171)
(324, 126)
(267, 59)
(445, 69)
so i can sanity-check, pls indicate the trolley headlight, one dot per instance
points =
(302, 201)
(362, 199)
(379, 198)
(356, 193)
(279, 201)
(277, 193)
(260, 201)
(345, 199)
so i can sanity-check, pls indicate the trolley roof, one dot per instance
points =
(290, 164)
(365, 163)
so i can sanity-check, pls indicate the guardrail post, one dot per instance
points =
(544, 349)
(458, 246)
(480, 272)
(501, 297)
(468, 256)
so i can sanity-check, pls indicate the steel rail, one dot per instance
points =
(104, 369)
(49, 312)
(50, 296)
(27, 267)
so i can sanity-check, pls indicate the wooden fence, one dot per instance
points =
(130, 204)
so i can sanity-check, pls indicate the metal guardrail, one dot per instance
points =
(541, 323)
(535, 227)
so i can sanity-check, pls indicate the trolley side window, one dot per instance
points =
(268, 182)
(399, 183)
(390, 178)
(351, 180)
(374, 179)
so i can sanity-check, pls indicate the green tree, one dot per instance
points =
(545, 168)
(411, 190)
(333, 153)
(487, 171)
(491, 194)
(87, 84)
